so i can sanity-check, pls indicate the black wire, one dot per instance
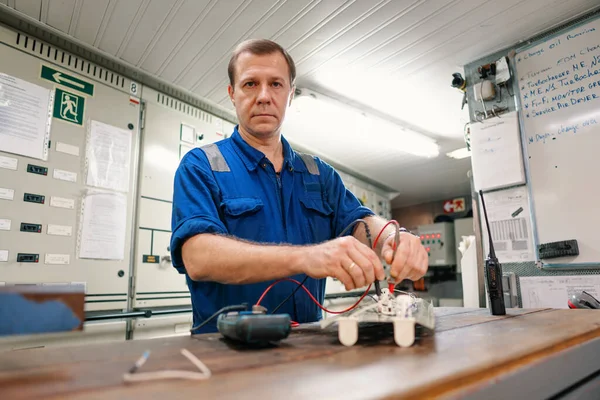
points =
(369, 238)
(295, 308)
(290, 295)
(377, 288)
(239, 307)
(367, 230)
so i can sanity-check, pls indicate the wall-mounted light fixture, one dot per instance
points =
(459, 153)
(320, 113)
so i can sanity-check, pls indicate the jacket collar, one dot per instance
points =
(252, 157)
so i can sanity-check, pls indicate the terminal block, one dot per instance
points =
(404, 311)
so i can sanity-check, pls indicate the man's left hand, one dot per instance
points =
(411, 259)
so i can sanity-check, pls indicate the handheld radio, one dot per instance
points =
(493, 272)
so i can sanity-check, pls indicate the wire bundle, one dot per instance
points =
(373, 245)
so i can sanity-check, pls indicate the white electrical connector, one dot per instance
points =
(402, 309)
(386, 304)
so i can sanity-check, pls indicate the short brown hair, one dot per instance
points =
(260, 47)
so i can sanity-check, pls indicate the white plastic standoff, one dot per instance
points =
(348, 331)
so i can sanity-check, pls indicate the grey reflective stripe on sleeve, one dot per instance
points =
(310, 163)
(215, 158)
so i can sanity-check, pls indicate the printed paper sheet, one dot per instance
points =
(103, 226)
(24, 117)
(108, 157)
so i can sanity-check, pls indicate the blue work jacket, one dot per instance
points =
(231, 188)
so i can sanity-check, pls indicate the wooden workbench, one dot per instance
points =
(470, 354)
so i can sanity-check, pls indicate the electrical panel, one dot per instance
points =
(44, 182)
(439, 241)
(369, 196)
(171, 129)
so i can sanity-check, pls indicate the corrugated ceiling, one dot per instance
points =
(395, 57)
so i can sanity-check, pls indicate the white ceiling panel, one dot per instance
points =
(339, 22)
(412, 15)
(215, 80)
(60, 13)
(525, 25)
(554, 19)
(154, 18)
(403, 32)
(210, 29)
(424, 40)
(174, 32)
(303, 26)
(44, 11)
(286, 34)
(226, 39)
(220, 98)
(393, 56)
(121, 23)
(387, 16)
(75, 17)
(29, 7)
(91, 14)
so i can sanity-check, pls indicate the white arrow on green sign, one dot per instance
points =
(69, 81)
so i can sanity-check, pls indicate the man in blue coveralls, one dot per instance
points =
(249, 210)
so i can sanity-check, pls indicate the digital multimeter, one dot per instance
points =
(251, 327)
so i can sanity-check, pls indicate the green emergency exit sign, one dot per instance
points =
(68, 107)
(56, 76)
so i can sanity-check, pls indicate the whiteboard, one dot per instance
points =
(559, 109)
(496, 153)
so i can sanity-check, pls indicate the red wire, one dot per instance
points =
(294, 323)
(311, 296)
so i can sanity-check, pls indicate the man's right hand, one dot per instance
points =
(347, 259)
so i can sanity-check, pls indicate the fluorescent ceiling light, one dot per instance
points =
(408, 98)
(323, 113)
(460, 153)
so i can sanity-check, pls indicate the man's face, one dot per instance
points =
(261, 94)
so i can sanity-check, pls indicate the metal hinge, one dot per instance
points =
(142, 114)
(132, 286)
